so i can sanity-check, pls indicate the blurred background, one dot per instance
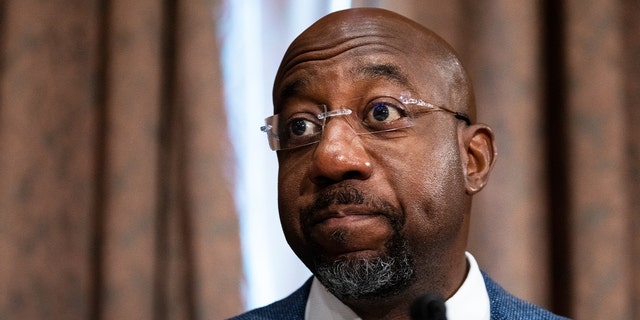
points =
(135, 184)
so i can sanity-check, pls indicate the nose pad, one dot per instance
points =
(334, 113)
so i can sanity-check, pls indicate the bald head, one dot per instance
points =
(421, 57)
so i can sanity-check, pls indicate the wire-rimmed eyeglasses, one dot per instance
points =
(381, 114)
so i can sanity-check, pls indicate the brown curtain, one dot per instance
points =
(559, 81)
(115, 174)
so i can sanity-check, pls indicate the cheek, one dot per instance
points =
(291, 172)
(433, 194)
(287, 196)
(442, 179)
(289, 199)
(433, 171)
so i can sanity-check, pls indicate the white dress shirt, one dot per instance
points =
(470, 302)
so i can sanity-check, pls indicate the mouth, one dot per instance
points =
(344, 213)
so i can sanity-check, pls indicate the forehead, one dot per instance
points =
(333, 78)
(351, 49)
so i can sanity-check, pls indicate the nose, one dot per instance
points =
(339, 155)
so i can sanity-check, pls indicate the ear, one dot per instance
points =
(478, 153)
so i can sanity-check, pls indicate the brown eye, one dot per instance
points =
(298, 127)
(302, 127)
(382, 114)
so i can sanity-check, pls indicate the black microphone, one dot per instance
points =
(429, 307)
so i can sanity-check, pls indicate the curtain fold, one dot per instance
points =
(116, 176)
(131, 198)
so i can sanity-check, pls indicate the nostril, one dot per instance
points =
(321, 181)
(353, 175)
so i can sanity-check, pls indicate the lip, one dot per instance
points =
(344, 221)
(335, 212)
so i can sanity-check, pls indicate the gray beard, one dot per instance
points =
(367, 278)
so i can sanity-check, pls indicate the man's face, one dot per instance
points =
(367, 212)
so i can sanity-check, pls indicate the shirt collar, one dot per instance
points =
(471, 301)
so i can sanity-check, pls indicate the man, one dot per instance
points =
(380, 154)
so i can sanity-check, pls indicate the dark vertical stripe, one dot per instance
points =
(555, 106)
(184, 215)
(631, 70)
(165, 158)
(182, 153)
(101, 132)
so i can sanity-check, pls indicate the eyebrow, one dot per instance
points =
(289, 90)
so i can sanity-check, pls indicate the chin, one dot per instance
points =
(367, 274)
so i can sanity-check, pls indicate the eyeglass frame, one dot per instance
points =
(274, 137)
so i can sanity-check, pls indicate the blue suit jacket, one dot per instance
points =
(503, 306)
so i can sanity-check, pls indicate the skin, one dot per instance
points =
(427, 173)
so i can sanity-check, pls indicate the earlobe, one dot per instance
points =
(478, 155)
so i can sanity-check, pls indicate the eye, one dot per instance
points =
(383, 114)
(300, 127)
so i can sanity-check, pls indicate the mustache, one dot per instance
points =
(350, 195)
(342, 195)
